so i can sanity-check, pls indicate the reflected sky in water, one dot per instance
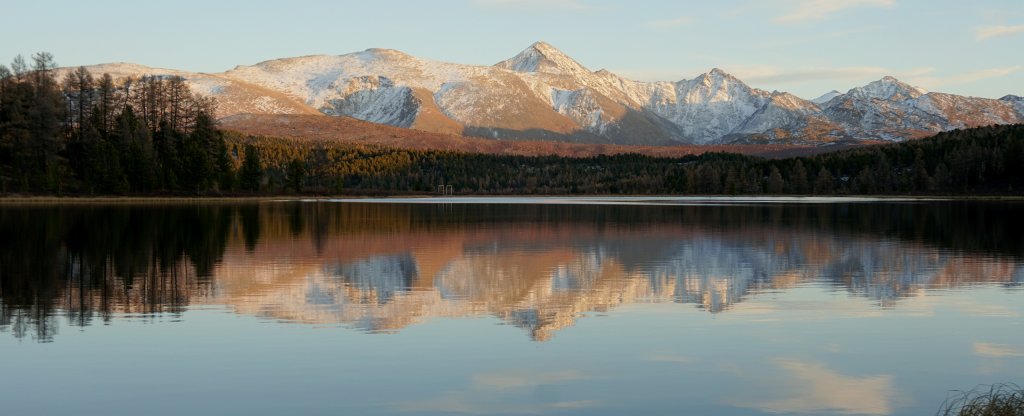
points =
(759, 307)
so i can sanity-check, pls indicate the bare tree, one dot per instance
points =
(106, 98)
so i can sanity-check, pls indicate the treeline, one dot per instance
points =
(86, 135)
(982, 160)
(151, 135)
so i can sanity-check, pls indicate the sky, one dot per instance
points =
(806, 47)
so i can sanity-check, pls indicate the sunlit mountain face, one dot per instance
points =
(541, 268)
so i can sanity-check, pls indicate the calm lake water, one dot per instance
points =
(508, 306)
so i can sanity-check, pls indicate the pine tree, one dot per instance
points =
(775, 182)
(198, 156)
(798, 178)
(106, 102)
(296, 173)
(178, 102)
(922, 182)
(79, 92)
(168, 161)
(140, 167)
(45, 116)
(823, 182)
(250, 175)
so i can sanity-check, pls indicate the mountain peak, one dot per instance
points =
(891, 80)
(718, 74)
(826, 97)
(542, 45)
(888, 88)
(717, 77)
(387, 53)
(544, 58)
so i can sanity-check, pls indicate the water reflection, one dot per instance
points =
(812, 388)
(538, 267)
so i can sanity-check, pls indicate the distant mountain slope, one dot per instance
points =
(543, 94)
(352, 131)
(888, 109)
(233, 96)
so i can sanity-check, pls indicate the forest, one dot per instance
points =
(984, 160)
(86, 135)
(82, 135)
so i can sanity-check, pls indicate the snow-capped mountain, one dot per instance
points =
(1016, 101)
(543, 94)
(888, 109)
(826, 97)
(233, 96)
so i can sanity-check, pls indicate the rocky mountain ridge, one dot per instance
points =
(543, 94)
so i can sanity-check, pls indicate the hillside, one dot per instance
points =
(346, 130)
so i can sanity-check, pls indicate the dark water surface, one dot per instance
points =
(713, 308)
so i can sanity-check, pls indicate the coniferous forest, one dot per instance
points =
(86, 135)
(92, 136)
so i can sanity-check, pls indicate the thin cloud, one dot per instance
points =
(997, 31)
(997, 350)
(472, 403)
(774, 75)
(519, 380)
(507, 392)
(811, 10)
(670, 23)
(989, 73)
(533, 4)
(813, 388)
(821, 38)
(940, 82)
(671, 358)
(804, 75)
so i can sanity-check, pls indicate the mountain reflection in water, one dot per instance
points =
(383, 267)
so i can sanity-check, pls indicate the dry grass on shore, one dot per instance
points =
(995, 400)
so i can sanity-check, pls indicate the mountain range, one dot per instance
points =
(543, 94)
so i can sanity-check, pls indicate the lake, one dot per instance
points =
(589, 306)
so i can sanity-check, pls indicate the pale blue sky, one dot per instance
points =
(806, 47)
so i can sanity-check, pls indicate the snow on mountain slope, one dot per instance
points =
(826, 97)
(1016, 101)
(888, 88)
(717, 107)
(233, 96)
(376, 84)
(540, 93)
(888, 109)
(543, 94)
(544, 58)
(708, 107)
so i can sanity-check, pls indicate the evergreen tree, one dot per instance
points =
(140, 167)
(296, 173)
(198, 156)
(823, 182)
(250, 175)
(798, 178)
(922, 182)
(775, 182)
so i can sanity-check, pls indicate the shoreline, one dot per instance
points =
(419, 198)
